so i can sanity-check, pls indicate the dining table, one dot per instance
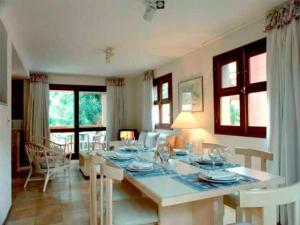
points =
(181, 197)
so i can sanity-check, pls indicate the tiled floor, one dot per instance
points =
(63, 203)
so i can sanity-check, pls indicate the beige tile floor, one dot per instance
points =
(63, 203)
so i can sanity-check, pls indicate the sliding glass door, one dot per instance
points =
(77, 116)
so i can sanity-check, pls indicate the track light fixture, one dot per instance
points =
(151, 7)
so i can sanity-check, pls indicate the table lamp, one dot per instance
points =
(186, 121)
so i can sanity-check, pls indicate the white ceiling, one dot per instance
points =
(69, 36)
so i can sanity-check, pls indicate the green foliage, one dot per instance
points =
(90, 108)
(61, 108)
(234, 115)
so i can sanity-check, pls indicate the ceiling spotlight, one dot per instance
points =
(151, 7)
(160, 4)
(108, 54)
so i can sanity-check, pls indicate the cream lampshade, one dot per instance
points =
(186, 120)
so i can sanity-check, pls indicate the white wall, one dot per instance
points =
(200, 62)
(5, 144)
(76, 79)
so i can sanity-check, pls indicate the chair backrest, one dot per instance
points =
(110, 173)
(249, 153)
(268, 200)
(36, 153)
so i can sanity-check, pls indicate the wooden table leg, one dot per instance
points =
(203, 212)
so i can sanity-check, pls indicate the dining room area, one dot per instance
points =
(189, 117)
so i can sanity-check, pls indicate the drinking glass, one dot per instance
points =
(214, 155)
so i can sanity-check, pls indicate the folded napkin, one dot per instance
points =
(219, 175)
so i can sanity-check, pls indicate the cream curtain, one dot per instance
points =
(37, 122)
(283, 49)
(115, 107)
(147, 123)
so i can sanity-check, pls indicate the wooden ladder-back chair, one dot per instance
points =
(128, 211)
(232, 200)
(268, 200)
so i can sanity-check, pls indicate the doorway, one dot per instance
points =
(77, 116)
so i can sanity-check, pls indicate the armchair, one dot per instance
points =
(46, 158)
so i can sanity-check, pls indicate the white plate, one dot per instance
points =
(140, 166)
(122, 156)
(219, 181)
(229, 177)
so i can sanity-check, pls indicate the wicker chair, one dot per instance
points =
(46, 158)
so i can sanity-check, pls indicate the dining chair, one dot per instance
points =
(46, 160)
(124, 212)
(232, 200)
(268, 200)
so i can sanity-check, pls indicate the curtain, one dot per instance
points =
(283, 49)
(147, 123)
(37, 122)
(115, 107)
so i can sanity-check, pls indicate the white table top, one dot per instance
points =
(166, 191)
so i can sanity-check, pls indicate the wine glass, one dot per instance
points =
(214, 155)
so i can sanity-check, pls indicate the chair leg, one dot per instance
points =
(46, 181)
(69, 171)
(28, 178)
(239, 214)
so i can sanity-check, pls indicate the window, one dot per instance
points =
(240, 96)
(77, 115)
(163, 105)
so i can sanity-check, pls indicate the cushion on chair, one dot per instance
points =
(151, 139)
(161, 137)
(134, 212)
(43, 163)
(142, 137)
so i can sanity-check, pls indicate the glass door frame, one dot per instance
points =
(77, 129)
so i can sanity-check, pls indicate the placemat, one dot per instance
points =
(193, 181)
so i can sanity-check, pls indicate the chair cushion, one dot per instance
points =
(142, 137)
(151, 140)
(61, 162)
(134, 212)
(161, 137)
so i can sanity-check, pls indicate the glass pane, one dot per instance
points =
(257, 109)
(90, 109)
(64, 138)
(92, 140)
(155, 98)
(165, 90)
(61, 109)
(230, 110)
(258, 68)
(166, 113)
(155, 114)
(229, 77)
